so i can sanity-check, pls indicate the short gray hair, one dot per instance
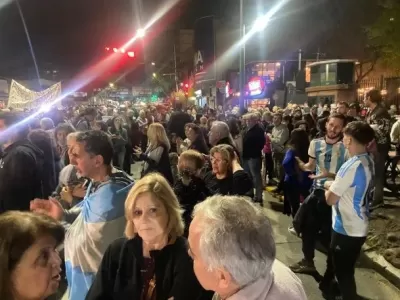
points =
(237, 236)
(222, 128)
(46, 123)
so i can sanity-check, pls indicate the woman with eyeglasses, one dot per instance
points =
(227, 177)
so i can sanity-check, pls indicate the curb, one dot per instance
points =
(379, 264)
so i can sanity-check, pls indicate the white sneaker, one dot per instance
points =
(292, 231)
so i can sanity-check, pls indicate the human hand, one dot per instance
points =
(79, 191)
(328, 184)
(302, 165)
(66, 195)
(51, 208)
(137, 151)
(322, 174)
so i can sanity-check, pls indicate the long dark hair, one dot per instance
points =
(299, 143)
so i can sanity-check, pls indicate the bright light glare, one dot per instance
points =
(122, 50)
(131, 54)
(261, 23)
(154, 75)
(115, 50)
(45, 108)
(153, 63)
(141, 32)
(158, 15)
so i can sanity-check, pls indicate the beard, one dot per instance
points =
(332, 135)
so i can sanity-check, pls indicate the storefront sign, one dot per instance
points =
(256, 86)
(204, 49)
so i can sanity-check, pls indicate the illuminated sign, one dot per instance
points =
(256, 86)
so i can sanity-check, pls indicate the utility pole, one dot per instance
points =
(241, 60)
(319, 54)
(300, 54)
(175, 70)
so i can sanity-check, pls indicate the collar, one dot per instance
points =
(258, 289)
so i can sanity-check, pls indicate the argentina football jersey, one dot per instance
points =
(328, 156)
(352, 183)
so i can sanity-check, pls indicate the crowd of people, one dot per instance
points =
(193, 226)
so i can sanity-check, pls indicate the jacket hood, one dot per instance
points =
(117, 178)
(23, 146)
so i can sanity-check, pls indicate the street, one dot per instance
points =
(370, 285)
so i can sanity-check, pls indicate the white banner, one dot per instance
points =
(20, 97)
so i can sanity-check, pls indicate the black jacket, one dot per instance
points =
(189, 196)
(253, 142)
(21, 176)
(238, 183)
(119, 275)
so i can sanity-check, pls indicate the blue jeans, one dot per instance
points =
(253, 166)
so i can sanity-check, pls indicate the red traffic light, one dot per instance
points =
(122, 51)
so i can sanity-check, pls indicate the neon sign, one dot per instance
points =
(256, 86)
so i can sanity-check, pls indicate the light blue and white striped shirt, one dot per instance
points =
(328, 156)
(350, 215)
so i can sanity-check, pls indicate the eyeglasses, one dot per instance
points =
(216, 160)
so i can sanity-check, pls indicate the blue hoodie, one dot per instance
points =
(95, 222)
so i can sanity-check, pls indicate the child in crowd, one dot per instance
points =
(296, 183)
(268, 161)
(190, 188)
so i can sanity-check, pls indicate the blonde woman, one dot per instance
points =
(152, 262)
(156, 156)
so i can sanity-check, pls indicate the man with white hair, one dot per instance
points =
(220, 134)
(233, 250)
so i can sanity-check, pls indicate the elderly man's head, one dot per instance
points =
(218, 131)
(231, 243)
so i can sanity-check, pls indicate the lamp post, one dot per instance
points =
(258, 26)
(241, 59)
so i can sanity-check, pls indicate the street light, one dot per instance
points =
(111, 85)
(154, 75)
(260, 23)
(153, 63)
(141, 32)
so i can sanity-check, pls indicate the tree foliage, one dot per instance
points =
(384, 33)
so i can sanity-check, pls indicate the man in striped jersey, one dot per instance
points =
(326, 156)
(348, 195)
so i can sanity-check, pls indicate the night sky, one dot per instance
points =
(70, 34)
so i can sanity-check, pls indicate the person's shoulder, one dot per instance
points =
(115, 248)
(180, 247)
(286, 285)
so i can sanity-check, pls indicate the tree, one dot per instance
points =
(384, 33)
(366, 66)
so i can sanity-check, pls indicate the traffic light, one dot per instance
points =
(154, 98)
(130, 54)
